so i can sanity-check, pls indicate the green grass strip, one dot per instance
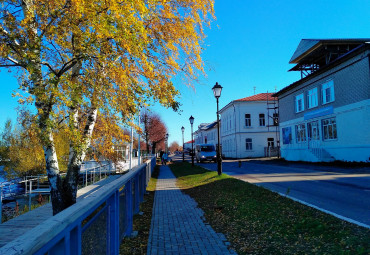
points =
(258, 221)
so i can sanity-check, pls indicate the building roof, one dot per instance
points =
(209, 125)
(205, 126)
(346, 49)
(258, 97)
(262, 97)
(311, 50)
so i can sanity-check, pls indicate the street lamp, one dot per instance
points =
(191, 119)
(167, 143)
(217, 93)
(183, 152)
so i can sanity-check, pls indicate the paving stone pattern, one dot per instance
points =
(178, 225)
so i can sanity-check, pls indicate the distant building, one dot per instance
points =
(187, 146)
(249, 127)
(206, 133)
(325, 116)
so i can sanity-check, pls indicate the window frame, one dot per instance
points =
(249, 119)
(312, 96)
(248, 144)
(334, 129)
(324, 87)
(300, 133)
(263, 119)
(298, 98)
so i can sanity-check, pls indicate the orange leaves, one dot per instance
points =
(108, 134)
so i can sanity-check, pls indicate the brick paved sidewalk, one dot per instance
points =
(177, 224)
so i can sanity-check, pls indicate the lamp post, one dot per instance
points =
(183, 152)
(167, 143)
(217, 93)
(191, 119)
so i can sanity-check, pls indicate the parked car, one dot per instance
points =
(205, 152)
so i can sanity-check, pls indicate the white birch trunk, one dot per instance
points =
(76, 157)
(44, 108)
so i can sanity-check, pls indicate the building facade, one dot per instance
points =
(325, 116)
(206, 134)
(249, 127)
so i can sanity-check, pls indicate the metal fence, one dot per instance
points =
(95, 225)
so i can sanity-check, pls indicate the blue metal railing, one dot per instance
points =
(95, 225)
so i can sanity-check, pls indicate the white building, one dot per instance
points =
(248, 129)
(206, 133)
(325, 116)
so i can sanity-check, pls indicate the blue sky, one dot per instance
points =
(249, 45)
(252, 46)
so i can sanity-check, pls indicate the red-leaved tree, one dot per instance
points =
(154, 131)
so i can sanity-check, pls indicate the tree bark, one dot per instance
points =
(44, 104)
(76, 157)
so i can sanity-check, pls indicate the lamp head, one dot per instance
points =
(217, 90)
(191, 119)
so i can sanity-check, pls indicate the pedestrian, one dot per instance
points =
(164, 158)
(160, 156)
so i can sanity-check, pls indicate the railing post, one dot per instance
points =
(141, 190)
(1, 203)
(85, 177)
(129, 214)
(137, 191)
(26, 187)
(94, 176)
(113, 227)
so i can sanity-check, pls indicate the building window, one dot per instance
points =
(248, 144)
(275, 118)
(262, 120)
(328, 92)
(247, 120)
(329, 129)
(287, 135)
(313, 130)
(300, 133)
(312, 98)
(270, 142)
(299, 103)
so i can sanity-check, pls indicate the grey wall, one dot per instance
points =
(351, 84)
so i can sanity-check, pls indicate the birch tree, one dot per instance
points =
(76, 58)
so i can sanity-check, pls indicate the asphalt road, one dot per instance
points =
(342, 192)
